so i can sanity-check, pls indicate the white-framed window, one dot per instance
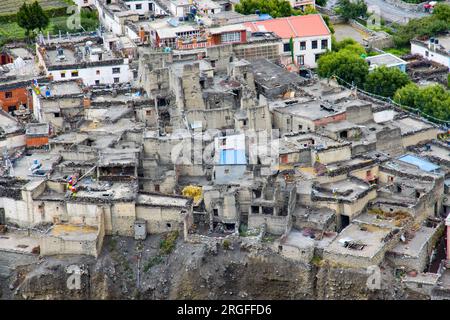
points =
(301, 60)
(230, 37)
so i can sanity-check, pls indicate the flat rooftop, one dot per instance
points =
(313, 109)
(22, 167)
(297, 142)
(344, 189)
(302, 239)
(438, 151)
(385, 59)
(74, 232)
(18, 243)
(161, 200)
(414, 247)
(60, 88)
(409, 125)
(270, 75)
(33, 129)
(370, 236)
(422, 164)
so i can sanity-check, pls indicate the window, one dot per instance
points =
(284, 158)
(2, 216)
(138, 6)
(302, 45)
(57, 114)
(97, 82)
(8, 94)
(116, 80)
(230, 37)
(314, 44)
(324, 44)
(63, 74)
(74, 73)
(116, 70)
(157, 187)
(317, 56)
(286, 47)
(301, 60)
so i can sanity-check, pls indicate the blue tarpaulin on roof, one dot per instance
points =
(232, 156)
(264, 16)
(419, 162)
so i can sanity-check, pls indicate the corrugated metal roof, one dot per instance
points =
(296, 26)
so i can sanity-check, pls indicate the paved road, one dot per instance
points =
(388, 11)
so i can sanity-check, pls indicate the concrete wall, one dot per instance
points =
(420, 136)
(432, 55)
(390, 141)
(332, 154)
(275, 224)
(359, 114)
(160, 219)
(228, 173)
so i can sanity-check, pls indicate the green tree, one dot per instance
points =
(275, 8)
(321, 3)
(437, 23)
(351, 10)
(433, 101)
(344, 64)
(441, 11)
(385, 81)
(31, 17)
(42, 19)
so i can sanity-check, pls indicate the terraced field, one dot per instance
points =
(12, 6)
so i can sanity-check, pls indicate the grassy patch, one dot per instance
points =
(317, 261)
(268, 238)
(153, 261)
(398, 51)
(10, 31)
(168, 243)
(226, 244)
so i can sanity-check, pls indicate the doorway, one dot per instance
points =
(345, 221)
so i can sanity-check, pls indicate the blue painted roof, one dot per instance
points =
(232, 156)
(419, 162)
(264, 16)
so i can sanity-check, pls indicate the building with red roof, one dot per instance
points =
(310, 34)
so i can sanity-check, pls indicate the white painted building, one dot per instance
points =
(95, 66)
(438, 52)
(310, 36)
